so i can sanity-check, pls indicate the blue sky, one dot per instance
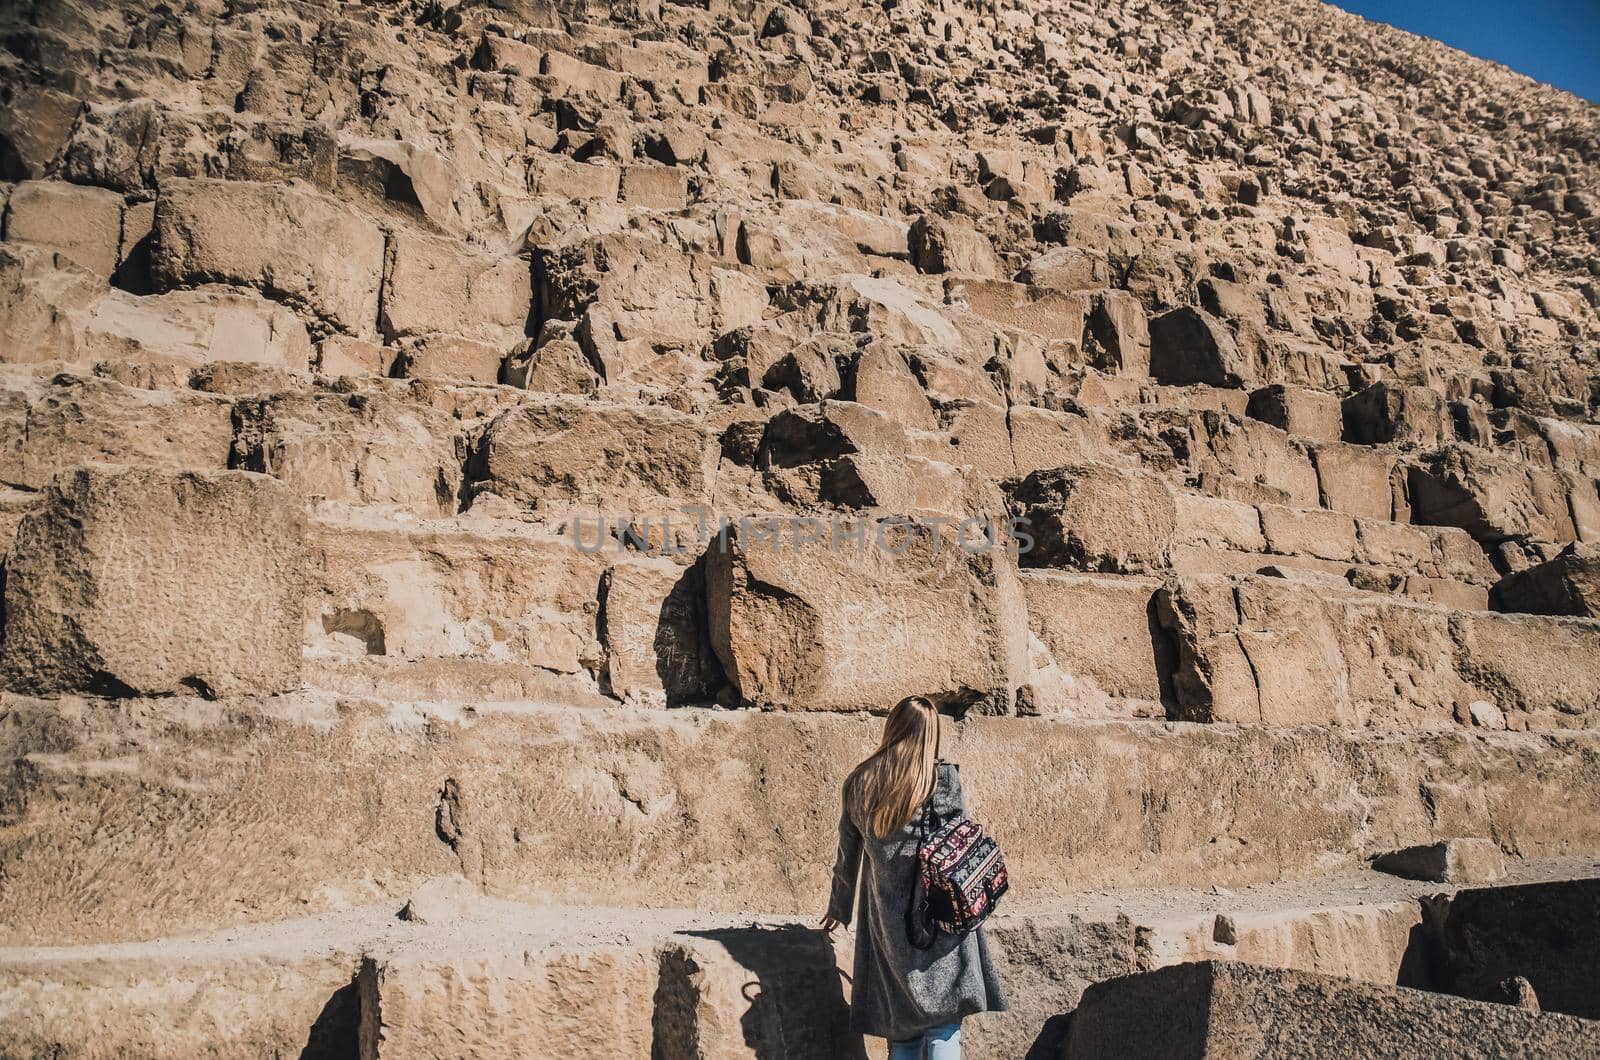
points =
(1555, 41)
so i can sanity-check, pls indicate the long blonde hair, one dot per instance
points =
(888, 786)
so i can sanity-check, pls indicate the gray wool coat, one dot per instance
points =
(900, 991)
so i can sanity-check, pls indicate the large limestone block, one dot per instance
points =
(642, 462)
(1227, 1008)
(1100, 630)
(849, 455)
(1095, 517)
(1261, 459)
(1189, 346)
(1310, 414)
(950, 244)
(1569, 584)
(1448, 861)
(1056, 315)
(423, 1002)
(1280, 652)
(289, 242)
(1255, 650)
(1385, 413)
(83, 224)
(812, 626)
(51, 310)
(1542, 667)
(437, 591)
(1490, 497)
(653, 622)
(361, 448)
(135, 579)
(67, 420)
(652, 291)
(1357, 480)
(255, 997)
(433, 284)
(1117, 335)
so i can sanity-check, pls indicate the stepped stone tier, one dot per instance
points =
(474, 473)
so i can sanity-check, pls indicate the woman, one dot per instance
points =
(915, 998)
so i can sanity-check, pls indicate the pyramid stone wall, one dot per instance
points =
(534, 441)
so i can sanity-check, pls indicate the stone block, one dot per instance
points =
(433, 284)
(1189, 346)
(1101, 631)
(360, 448)
(1447, 861)
(1216, 522)
(83, 224)
(655, 187)
(1569, 584)
(653, 628)
(1356, 480)
(320, 256)
(949, 244)
(1490, 497)
(136, 580)
(48, 426)
(1312, 532)
(1094, 517)
(1310, 414)
(642, 462)
(412, 594)
(1384, 413)
(1547, 933)
(1226, 1008)
(808, 626)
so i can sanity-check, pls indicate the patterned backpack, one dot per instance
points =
(961, 876)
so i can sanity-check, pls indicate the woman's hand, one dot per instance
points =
(829, 924)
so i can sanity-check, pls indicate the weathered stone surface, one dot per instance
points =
(52, 311)
(1569, 584)
(441, 591)
(1310, 414)
(432, 284)
(1101, 632)
(83, 224)
(1272, 651)
(144, 581)
(837, 624)
(1489, 497)
(1227, 1008)
(1096, 518)
(614, 460)
(622, 809)
(654, 625)
(371, 448)
(319, 256)
(66, 420)
(1191, 346)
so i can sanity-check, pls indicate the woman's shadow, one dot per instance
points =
(793, 995)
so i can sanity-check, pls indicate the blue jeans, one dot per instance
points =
(944, 1043)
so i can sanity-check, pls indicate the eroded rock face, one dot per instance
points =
(138, 580)
(299, 246)
(1569, 584)
(832, 625)
(1092, 517)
